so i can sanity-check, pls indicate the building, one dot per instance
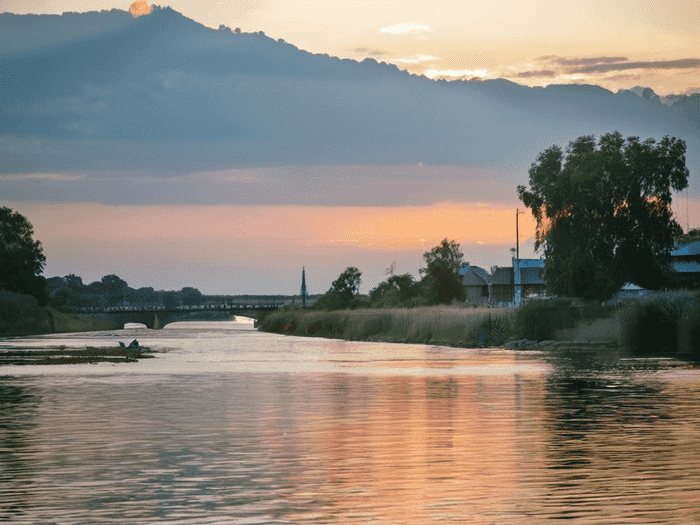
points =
(477, 284)
(504, 285)
(528, 279)
(685, 261)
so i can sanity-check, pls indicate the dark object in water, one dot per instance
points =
(65, 356)
(134, 344)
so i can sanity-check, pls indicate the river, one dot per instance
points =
(227, 425)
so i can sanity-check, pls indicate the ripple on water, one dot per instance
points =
(267, 429)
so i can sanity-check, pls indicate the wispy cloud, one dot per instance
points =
(456, 73)
(684, 63)
(44, 176)
(543, 73)
(416, 59)
(398, 29)
(578, 61)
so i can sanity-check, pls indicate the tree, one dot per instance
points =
(603, 212)
(443, 281)
(691, 236)
(342, 291)
(171, 299)
(21, 257)
(112, 283)
(347, 285)
(190, 296)
(397, 290)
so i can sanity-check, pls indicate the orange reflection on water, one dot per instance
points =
(419, 448)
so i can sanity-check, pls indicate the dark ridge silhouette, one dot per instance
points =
(107, 91)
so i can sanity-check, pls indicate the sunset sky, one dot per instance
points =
(612, 43)
(170, 234)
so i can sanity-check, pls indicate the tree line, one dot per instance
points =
(68, 293)
(603, 213)
(440, 283)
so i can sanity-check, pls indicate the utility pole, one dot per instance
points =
(303, 287)
(517, 235)
(517, 275)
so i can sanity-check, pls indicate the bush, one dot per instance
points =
(491, 331)
(650, 325)
(540, 319)
(21, 315)
(689, 333)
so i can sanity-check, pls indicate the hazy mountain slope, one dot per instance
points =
(106, 91)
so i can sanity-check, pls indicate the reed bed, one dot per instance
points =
(448, 325)
(665, 323)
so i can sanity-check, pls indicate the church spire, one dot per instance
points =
(303, 286)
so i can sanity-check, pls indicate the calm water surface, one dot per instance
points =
(230, 426)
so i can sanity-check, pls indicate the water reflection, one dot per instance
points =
(18, 405)
(253, 428)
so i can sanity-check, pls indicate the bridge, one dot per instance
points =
(157, 317)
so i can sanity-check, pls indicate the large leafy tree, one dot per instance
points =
(442, 280)
(347, 285)
(342, 291)
(21, 257)
(396, 290)
(603, 212)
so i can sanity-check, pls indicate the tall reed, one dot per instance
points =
(456, 326)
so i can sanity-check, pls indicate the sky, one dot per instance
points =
(612, 43)
(176, 231)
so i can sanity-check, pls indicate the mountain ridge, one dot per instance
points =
(163, 93)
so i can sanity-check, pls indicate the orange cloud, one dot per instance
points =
(139, 8)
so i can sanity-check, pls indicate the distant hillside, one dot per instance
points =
(106, 91)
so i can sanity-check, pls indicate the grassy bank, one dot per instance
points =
(454, 326)
(662, 324)
(65, 322)
(20, 315)
(658, 324)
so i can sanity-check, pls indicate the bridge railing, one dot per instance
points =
(183, 308)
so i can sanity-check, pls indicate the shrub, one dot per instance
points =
(540, 319)
(689, 333)
(649, 325)
(492, 331)
(21, 315)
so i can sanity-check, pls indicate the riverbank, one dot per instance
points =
(664, 324)
(455, 326)
(21, 315)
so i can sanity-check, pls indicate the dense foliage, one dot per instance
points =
(343, 292)
(443, 281)
(603, 212)
(21, 257)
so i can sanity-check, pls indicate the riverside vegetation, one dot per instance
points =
(662, 324)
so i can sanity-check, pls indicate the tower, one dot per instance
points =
(303, 286)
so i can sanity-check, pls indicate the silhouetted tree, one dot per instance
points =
(190, 296)
(21, 257)
(342, 291)
(603, 212)
(442, 281)
(397, 290)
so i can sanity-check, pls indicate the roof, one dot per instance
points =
(686, 267)
(502, 275)
(474, 276)
(529, 263)
(690, 248)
